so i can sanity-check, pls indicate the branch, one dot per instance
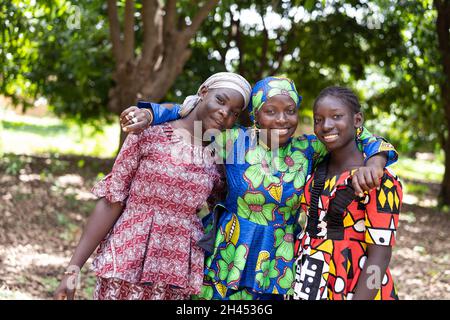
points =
(129, 30)
(166, 75)
(282, 53)
(114, 30)
(152, 24)
(170, 17)
(217, 45)
(239, 44)
(200, 17)
(265, 45)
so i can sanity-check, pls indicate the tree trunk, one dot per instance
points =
(442, 26)
(165, 51)
(444, 198)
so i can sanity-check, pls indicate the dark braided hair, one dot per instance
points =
(345, 95)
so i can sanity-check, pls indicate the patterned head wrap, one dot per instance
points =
(269, 87)
(218, 80)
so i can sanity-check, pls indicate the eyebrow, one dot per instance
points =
(225, 96)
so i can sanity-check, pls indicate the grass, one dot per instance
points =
(417, 169)
(31, 135)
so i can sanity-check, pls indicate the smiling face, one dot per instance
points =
(220, 108)
(278, 116)
(335, 123)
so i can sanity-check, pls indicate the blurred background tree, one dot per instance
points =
(92, 59)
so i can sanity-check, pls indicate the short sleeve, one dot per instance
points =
(161, 112)
(372, 145)
(115, 186)
(382, 211)
(312, 147)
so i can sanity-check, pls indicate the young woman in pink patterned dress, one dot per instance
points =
(146, 218)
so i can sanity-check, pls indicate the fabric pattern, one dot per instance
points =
(116, 289)
(269, 87)
(254, 246)
(332, 249)
(154, 240)
(254, 243)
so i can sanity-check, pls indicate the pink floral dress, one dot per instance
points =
(151, 251)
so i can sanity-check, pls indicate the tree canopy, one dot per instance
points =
(90, 59)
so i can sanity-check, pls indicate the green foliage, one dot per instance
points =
(411, 94)
(384, 49)
(59, 50)
(422, 170)
(51, 136)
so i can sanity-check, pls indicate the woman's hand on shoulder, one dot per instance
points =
(135, 120)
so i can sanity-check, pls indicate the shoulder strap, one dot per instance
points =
(335, 215)
(318, 184)
(341, 200)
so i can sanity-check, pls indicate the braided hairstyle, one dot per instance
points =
(345, 95)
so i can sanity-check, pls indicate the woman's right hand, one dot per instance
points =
(135, 120)
(67, 287)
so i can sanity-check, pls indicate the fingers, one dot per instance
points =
(64, 293)
(355, 183)
(59, 295)
(127, 111)
(136, 127)
(70, 294)
(365, 179)
(128, 120)
(376, 176)
(135, 123)
(362, 180)
(127, 115)
(370, 181)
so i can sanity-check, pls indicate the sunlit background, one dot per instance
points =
(62, 87)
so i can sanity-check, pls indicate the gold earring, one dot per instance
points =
(359, 131)
(255, 132)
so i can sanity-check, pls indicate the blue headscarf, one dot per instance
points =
(269, 87)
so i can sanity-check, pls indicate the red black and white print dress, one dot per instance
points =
(151, 251)
(332, 249)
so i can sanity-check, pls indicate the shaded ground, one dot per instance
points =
(44, 203)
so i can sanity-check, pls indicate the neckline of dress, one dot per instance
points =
(169, 130)
(267, 148)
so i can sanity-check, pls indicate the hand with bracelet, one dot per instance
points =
(69, 284)
(99, 224)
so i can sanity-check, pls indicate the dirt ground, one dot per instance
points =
(44, 203)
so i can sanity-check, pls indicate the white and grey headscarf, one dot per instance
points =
(218, 80)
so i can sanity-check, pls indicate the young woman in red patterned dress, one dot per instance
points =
(345, 249)
(146, 218)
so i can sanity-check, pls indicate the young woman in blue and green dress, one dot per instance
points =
(254, 227)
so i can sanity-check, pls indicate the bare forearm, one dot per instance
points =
(371, 278)
(377, 161)
(100, 222)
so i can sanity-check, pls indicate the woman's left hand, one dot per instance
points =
(366, 178)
